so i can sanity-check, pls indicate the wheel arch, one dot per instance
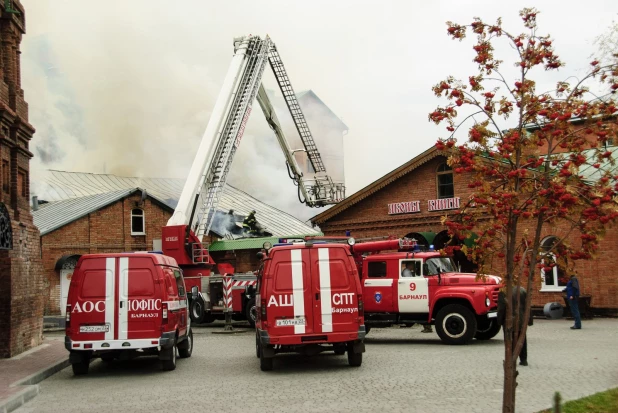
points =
(444, 301)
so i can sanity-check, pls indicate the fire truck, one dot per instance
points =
(217, 291)
(403, 285)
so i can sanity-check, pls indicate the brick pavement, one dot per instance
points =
(19, 373)
(403, 370)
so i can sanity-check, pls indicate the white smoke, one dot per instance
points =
(105, 99)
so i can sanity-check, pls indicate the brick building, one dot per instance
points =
(21, 276)
(86, 213)
(411, 200)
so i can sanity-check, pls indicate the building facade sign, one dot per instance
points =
(441, 204)
(404, 207)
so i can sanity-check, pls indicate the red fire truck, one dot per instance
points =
(403, 285)
(219, 291)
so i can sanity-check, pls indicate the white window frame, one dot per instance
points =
(551, 288)
(143, 222)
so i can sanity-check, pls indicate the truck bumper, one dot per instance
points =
(165, 341)
(315, 338)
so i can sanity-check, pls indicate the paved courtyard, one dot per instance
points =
(403, 370)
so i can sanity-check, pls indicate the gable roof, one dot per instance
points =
(54, 186)
(49, 217)
(377, 185)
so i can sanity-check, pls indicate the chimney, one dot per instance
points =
(35, 203)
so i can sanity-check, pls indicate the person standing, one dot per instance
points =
(519, 316)
(572, 292)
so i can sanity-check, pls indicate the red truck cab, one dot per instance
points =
(124, 305)
(426, 288)
(309, 299)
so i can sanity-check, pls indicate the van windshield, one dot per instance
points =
(444, 264)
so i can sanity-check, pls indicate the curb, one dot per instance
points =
(31, 388)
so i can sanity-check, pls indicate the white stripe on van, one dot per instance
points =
(325, 294)
(110, 296)
(298, 288)
(123, 293)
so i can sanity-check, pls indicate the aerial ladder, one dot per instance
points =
(194, 214)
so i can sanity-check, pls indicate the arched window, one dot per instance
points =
(138, 225)
(557, 278)
(444, 178)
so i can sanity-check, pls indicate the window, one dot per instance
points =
(376, 269)
(445, 181)
(410, 268)
(557, 278)
(6, 177)
(434, 266)
(21, 183)
(179, 283)
(137, 222)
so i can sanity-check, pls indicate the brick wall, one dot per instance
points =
(105, 230)
(370, 218)
(22, 282)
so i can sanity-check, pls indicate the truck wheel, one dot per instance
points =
(186, 347)
(81, 367)
(197, 311)
(251, 312)
(455, 324)
(487, 329)
(257, 346)
(170, 363)
(355, 359)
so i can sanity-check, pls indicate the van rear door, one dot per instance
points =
(115, 298)
(335, 288)
(139, 309)
(287, 293)
(91, 299)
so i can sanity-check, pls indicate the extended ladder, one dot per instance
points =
(216, 177)
(297, 114)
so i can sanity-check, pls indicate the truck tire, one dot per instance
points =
(251, 312)
(170, 363)
(266, 363)
(81, 367)
(455, 324)
(196, 311)
(355, 359)
(186, 347)
(487, 329)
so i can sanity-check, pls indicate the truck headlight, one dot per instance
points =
(487, 302)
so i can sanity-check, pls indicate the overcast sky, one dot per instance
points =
(127, 86)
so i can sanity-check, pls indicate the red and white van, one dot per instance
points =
(309, 300)
(126, 305)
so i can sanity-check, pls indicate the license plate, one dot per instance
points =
(299, 321)
(94, 329)
(492, 315)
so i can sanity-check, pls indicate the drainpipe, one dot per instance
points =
(35, 203)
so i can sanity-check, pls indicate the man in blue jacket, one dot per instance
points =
(572, 292)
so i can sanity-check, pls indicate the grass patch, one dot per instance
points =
(603, 402)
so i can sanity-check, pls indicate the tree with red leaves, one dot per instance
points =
(537, 160)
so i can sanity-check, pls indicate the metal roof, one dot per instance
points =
(57, 214)
(82, 188)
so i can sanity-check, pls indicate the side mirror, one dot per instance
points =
(260, 255)
(194, 292)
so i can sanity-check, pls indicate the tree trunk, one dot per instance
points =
(508, 395)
